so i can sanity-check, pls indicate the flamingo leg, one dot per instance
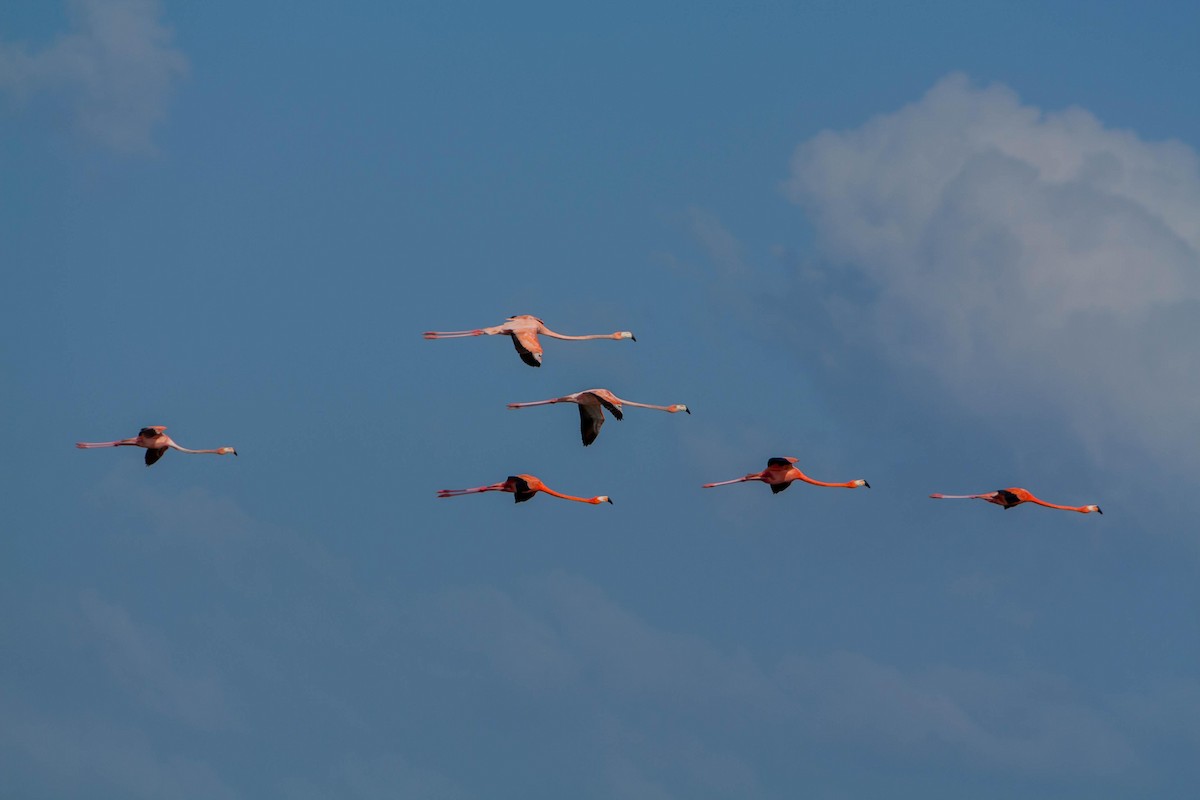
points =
(536, 403)
(735, 480)
(121, 443)
(986, 496)
(451, 334)
(495, 487)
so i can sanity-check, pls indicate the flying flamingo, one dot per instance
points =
(780, 473)
(522, 488)
(1007, 498)
(156, 443)
(592, 403)
(524, 330)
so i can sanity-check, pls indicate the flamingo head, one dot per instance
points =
(601, 499)
(861, 482)
(224, 451)
(678, 407)
(624, 335)
(1092, 508)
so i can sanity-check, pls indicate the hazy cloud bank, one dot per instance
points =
(115, 70)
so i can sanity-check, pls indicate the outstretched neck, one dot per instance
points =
(592, 500)
(220, 451)
(648, 405)
(618, 335)
(1080, 509)
(797, 474)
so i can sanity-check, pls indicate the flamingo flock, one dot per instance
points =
(780, 473)
(524, 330)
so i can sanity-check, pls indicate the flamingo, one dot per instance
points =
(780, 473)
(592, 403)
(522, 488)
(524, 330)
(1007, 498)
(156, 443)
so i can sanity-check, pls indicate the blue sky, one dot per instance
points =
(941, 248)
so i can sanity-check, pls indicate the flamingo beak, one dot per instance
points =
(634, 338)
(610, 502)
(1098, 511)
(866, 484)
(688, 410)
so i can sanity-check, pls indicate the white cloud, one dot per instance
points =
(115, 68)
(1029, 262)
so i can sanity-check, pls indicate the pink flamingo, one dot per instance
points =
(156, 443)
(780, 473)
(592, 403)
(1007, 498)
(522, 488)
(524, 330)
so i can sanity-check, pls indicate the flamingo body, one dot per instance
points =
(522, 488)
(781, 472)
(1015, 496)
(524, 330)
(155, 442)
(592, 403)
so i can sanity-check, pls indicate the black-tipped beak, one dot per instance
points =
(634, 338)
(235, 452)
(866, 484)
(688, 410)
(1098, 511)
(610, 502)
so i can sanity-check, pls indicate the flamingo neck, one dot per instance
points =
(797, 474)
(562, 496)
(1080, 509)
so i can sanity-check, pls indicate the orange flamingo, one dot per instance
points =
(524, 330)
(780, 473)
(1007, 498)
(156, 443)
(522, 488)
(592, 403)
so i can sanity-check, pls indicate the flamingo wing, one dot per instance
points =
(613, 409)
(1008, 499)
(153, 454)
(591, 417)
(521, 490)
(528, 346)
